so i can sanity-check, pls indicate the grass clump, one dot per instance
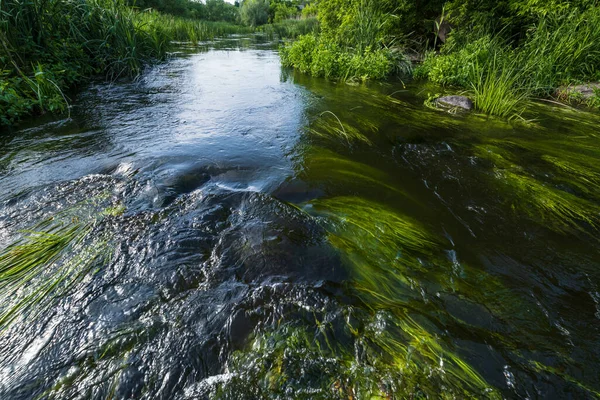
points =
(496, 87)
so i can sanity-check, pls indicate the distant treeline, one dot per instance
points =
(211, 10)
(248, 12)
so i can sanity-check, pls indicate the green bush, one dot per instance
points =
(354, 43)
(316, 56)
(255, 12)
(456, 68)
(300, 54)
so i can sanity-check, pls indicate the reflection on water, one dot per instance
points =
(223, 228)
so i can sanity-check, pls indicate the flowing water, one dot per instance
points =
(223, 228)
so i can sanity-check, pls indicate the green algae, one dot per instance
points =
(327, 167)
(40, 268)
(387, 359)
(544, 198)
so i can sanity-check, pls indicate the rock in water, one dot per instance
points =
(455, 101)
(586, 91)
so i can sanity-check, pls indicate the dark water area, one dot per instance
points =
(244, 231)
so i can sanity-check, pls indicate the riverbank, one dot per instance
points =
(531, 55)
(48, 49)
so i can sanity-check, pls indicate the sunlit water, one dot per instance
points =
(283, 236)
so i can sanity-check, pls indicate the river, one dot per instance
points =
(224, 228)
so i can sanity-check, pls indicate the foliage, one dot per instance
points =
(456, 67)
(314, 55)
(49, 46)
(292, 28)
(255, 12)
(354, 43)
(281, 10)
(211, 10)
(561, 48)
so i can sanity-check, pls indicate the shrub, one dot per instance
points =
(255, 12)
(456, 67)
(300, 54)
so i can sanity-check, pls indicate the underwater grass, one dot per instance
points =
(329, 126)
(397, 360)
(332, 169)
(543, 200)
(42, 266)
(387, 254)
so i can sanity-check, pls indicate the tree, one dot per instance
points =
(255, 12)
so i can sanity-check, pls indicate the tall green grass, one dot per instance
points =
(496, 87)
(559, 49)
(49, 46)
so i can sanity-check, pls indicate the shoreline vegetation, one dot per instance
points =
(499, 54)
(49, 47)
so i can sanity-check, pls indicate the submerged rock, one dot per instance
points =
(586, 91)
(455, 101)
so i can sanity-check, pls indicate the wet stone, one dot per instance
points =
(586, 91)
(455, 101)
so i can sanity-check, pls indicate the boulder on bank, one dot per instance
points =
(455, 101)
(586, 91)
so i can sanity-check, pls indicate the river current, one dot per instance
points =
(227, 228)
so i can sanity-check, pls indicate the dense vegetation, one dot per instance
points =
(211, 10)
(502, 52)
(49, 46)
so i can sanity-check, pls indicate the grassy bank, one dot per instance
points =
(560, 49)
(500, 55)
(50, 46)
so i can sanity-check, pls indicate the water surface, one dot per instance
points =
(250, 232)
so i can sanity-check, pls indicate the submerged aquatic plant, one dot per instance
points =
(353, 355)
(333, 128)
(560, 210)
(388, 255)
(543, 199)
(42, 266)
(327, 167)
